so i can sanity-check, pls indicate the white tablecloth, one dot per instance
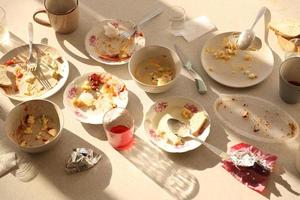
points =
(136, 174)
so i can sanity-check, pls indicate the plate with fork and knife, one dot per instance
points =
(24, 77)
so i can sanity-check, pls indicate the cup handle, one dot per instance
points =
(40, 21)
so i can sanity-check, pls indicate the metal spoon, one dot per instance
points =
(182, 130)
(246, 37)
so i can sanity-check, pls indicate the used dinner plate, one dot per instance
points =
(173, 107)
(53, 71)
(89, 105)
(245, 69)
(255, 118)
(96, 43)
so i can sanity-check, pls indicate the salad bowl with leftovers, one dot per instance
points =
(155, 69)
(35, 125)
(91, 95)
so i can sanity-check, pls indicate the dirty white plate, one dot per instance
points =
(255, 118)
(232, 72)
(90, 116)
(172, 106)
(96, 35)
(63, 69)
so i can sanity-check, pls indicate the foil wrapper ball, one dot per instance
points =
(81, 159)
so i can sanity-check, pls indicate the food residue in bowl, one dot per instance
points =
(155, 71)
(35, 130)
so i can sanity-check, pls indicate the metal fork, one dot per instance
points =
(38, 74)
(31, 63)
(127, 34)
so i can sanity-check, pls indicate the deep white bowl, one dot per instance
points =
(37, 107)
(153, 52)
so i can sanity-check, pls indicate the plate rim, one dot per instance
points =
(230, 85)
(243, 133)
(179, 150)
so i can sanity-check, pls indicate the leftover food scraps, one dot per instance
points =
(34, 130)
(155, 71)
(100, 91)
(17, 79)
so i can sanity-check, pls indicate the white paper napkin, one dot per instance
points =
(195, 28)
(7, 162)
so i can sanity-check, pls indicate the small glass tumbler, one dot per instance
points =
(4, 35)
(118, 124)
(177, 17)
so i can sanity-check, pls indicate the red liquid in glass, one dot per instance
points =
(126, 137)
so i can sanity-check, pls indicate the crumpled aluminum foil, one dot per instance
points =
(81, 159)
(243, 158)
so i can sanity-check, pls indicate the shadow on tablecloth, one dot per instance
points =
(170, 176)
(88, 184)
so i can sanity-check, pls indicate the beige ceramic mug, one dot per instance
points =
(63, 22)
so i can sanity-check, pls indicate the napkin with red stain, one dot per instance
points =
(255, 177)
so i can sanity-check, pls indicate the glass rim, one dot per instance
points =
(180, 15)
(115, 109)
(2, 14)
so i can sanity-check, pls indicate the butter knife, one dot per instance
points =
(201, 87)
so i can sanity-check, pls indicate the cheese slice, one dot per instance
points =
(4, 79)
(197, 122)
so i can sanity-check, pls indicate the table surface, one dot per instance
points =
(145, 172)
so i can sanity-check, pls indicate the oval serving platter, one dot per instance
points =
(255, 118)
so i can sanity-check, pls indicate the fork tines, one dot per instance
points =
(42, 79)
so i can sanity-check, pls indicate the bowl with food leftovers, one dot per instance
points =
(35, 125)
(182, 109)
(20, 83)
(155, 69)
(91, 95)
(105, 44)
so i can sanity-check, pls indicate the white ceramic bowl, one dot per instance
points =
(36, 107)
(154, 52)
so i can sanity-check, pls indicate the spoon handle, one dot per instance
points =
(260, 13)
(214, 149)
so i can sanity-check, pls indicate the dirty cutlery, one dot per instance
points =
(201, 87)
(130, 32)
(31, 62)
(239, 159)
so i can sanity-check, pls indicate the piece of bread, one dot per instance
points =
(4, 79)
(197, 122)
(287, 29)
